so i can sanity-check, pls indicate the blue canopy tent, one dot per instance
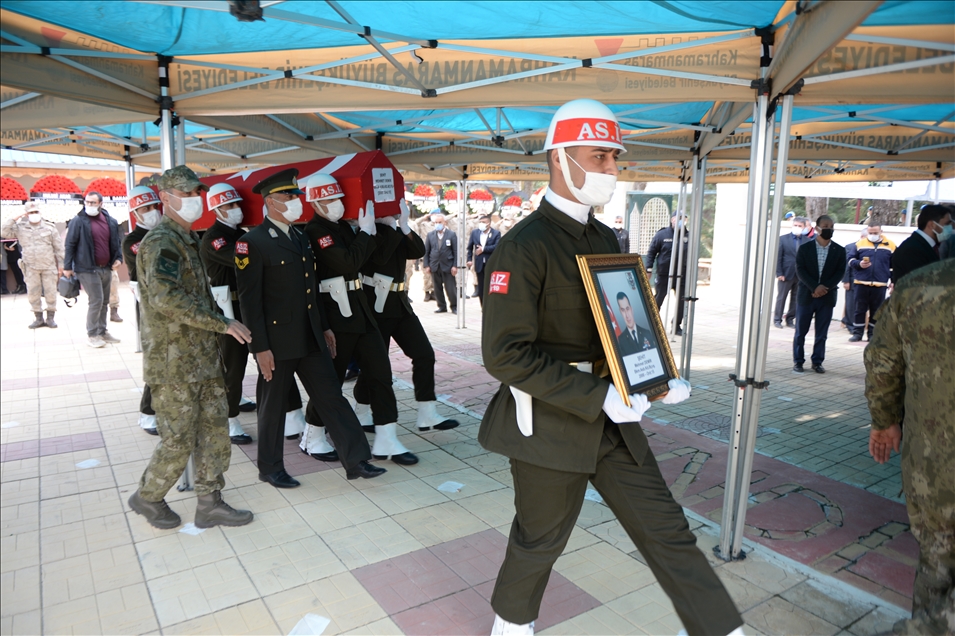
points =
(455, 90)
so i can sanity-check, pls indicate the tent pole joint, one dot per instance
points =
(762, 86)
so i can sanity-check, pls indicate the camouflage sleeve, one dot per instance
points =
(885, 368)
(57, 247)
(160, 275)
(9, 229)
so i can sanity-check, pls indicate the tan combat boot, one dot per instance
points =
(36, 324)
(49, 319)
(212, 511)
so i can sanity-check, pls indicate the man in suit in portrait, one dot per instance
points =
(820, 266)
(481, 245)
(440, 260)
(634, 338)
(921, 248)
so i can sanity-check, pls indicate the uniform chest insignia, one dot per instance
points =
(241, 263)
(219, 243)
(326, 241)
(241, 247)
(273, 233)
(135, 248)
(499, 282)
(646, 344)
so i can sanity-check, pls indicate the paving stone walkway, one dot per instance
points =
(412, 552)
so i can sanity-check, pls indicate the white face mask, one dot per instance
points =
(944, 233)
(233, 216)
(34, 217)
(293, 210)
(91, 210)
(190, 209)
(334, 210)
(875, 238)
(149, 220)
(598, 187)
(483, 226)
(797, 231)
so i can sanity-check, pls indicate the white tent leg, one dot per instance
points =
(166, 153)
(693, 258)
(461, 279)
(181, 143)
(676, 252)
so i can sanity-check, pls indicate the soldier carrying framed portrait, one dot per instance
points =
(634, 340)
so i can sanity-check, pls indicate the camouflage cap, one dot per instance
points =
(181, 178)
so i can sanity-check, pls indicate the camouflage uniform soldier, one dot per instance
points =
(424, 226)
(42, 260)
(179, 321)
(910, 372)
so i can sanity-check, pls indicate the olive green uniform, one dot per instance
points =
(179, 322)
(910, 375)
(130, 249)
(537, 320)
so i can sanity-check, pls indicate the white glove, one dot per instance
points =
(679, 391)
(389, 221)
(403, 222)
(366, 218)
(619, 412)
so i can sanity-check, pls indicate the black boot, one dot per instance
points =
(49, 319)
(36, 324)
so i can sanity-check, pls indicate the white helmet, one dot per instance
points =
(321, 186)
(220, 194)
(583, 122)
(141, 196)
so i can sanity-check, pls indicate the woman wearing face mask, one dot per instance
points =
(144, 208)
(342, 247)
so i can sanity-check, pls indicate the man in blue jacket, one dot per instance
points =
(481, 245)
(786, 271)
(820, 265)
(93, 251)
(869, 269)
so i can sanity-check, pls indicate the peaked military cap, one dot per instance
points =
(279, 182)
(181, 178)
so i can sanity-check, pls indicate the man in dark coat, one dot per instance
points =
(481, 245)
(440, 260)
(922, 247)
(278, 295)
(820, 266)
(661, 251)
(786, 271)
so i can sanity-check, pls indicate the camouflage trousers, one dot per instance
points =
(114, 291)
(40, 282)
(191, 420)
(427, 282)
(933, 599)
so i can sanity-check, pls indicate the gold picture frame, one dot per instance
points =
(634, 340)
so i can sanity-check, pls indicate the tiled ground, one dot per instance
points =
(396, 554)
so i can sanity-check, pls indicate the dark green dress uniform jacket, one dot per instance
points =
(339, 251)
(537, 319)
(131, 248)
(278, 291)
(218, 253)
(394, 249)
(178, 312)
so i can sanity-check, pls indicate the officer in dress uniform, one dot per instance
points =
(341, 249)
(181, 362)
(218, 255)
(560, 425)
(278, 295)
(145, 206)
(387, 293)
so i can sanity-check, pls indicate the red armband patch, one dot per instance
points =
(499, 282)
(219, 243)
(135, 248)
(326, 241)
(241, 247)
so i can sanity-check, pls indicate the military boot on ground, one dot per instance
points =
(159, 514)
(36, 324)
(114, 315)
(49, 319)
(212, 511)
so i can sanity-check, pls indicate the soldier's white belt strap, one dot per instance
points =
(223, 297)
(383, 286)
(134, 287)
(338, 289)
(524, 403)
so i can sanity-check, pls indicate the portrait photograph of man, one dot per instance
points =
(630, 325)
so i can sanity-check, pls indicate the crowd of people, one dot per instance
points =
(309, 301)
